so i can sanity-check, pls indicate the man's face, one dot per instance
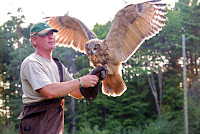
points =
(45, 43)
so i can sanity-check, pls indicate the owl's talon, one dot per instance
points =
(99, 65)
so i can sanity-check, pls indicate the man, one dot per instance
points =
(43, 90)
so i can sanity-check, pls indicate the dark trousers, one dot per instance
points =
(43, 118)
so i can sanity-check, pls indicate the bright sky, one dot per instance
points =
(89, 12)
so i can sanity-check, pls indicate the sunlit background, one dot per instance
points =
(88, 11)
(162, 58)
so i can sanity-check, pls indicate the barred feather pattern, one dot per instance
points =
(134, 24)
(71, 32)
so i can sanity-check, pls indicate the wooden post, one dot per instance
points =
(185, 85)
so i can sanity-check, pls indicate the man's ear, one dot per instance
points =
(33, 41)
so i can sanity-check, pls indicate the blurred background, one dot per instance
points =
(154, 100)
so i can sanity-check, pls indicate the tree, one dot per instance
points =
(15, 46)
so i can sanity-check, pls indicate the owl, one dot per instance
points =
(131, 26)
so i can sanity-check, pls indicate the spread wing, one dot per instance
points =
(71, 32)
(134, 24)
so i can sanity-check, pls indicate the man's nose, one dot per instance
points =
(51, 36)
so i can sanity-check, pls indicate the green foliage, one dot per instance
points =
(159, 126)
(11, 59)
(172, 96)
(134, 111)
(194, 108)
(86, 129)
(102, 30)
(193, 116)
(163, 126)
(10, 129)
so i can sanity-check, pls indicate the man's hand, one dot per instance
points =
(89, 80)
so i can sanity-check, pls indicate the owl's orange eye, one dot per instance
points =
(95, 48)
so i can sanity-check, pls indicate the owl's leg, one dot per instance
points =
(99, 65)
(109, 70)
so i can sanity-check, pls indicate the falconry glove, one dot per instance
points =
(90, 93)
(100, 72)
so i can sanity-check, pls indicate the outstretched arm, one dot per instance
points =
(61, 89)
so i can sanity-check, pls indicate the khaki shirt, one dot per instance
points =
(38, 72)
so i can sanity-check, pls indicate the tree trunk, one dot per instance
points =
(72, 105)
(160, 87)
(154, 91)
(72, 100)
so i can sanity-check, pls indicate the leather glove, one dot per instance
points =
(90, 93)
(100, 72)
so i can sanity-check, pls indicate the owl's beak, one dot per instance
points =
(91, 53)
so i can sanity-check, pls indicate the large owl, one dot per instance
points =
(131, 26)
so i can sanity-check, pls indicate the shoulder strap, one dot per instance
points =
(59, 68)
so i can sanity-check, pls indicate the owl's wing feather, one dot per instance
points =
(134, 24)
(71, 32)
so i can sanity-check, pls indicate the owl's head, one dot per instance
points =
(93, 46)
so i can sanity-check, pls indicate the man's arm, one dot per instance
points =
(76, 94)
(61, 89)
